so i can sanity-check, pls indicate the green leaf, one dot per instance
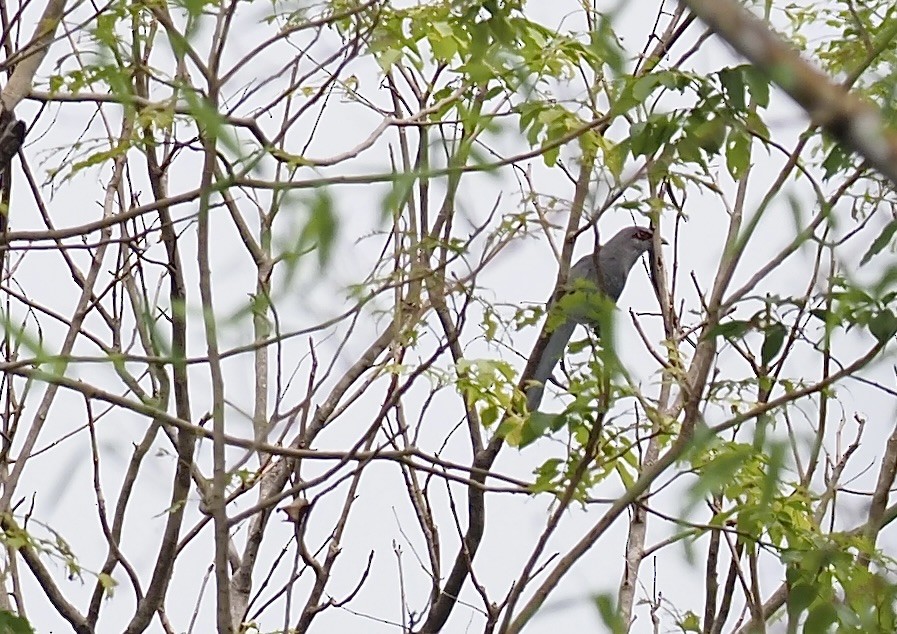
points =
(690, 622)
(738, 154)
(444, 48)
(772, 342)
(720, 472)
(320, 229)
(883, 325)
(837, 160)
(443, 28)
(100, 157)
(732, 80)
(389, 57)
(104, 32)
(209, 119)
(758, 85)
(644, 86)
(625, 476)
(800, 596)
(535, 427)
(604, 45)
(754, 124)
(731, 330)
(821, 314)
(550, 155)
(637, 137)
(545, 476)
(14, 624)
(710, 134)
(688, 150)
(194, 7)
(488, 416)
(624, 102)
(819, 618)
(883, 239)
(610, 615)
(107, 582)
(34, 344)
(615, 157)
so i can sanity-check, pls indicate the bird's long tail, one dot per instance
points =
(553, 353)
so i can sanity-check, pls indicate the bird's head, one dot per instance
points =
(635, 240)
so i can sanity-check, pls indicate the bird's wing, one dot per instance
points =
(614, 260)
(584, 269)
(551, 355)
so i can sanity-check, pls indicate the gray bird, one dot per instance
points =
(605, 272)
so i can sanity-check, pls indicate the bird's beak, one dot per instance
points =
(664, 242)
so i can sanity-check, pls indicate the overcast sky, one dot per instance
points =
(61, 478)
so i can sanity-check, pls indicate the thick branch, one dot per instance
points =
(855, 122)
(19, 84)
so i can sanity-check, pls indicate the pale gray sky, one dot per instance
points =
(61, 478)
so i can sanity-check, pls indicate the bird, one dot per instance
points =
(604, 271)
(12, 135)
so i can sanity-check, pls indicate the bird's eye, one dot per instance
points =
(643, 235)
